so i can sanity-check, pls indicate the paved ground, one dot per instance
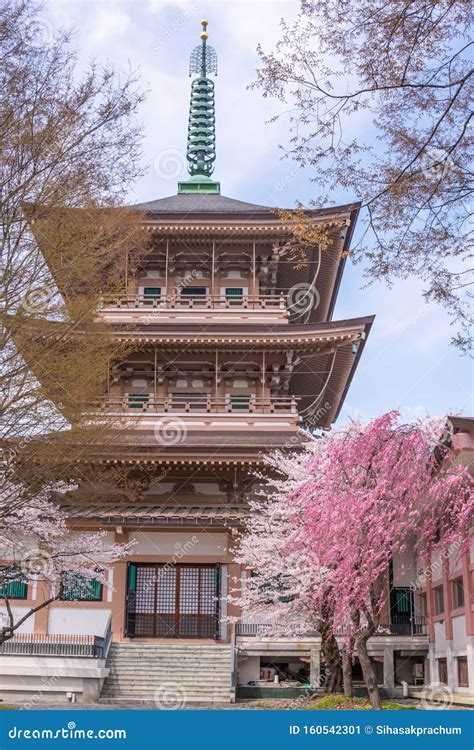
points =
(137, 706)
(262, 705)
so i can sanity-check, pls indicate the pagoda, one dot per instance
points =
(233, 352)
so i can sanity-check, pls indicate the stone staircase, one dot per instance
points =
(169, 675)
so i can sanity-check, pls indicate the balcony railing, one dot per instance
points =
(190, 301)
(32, 644)
(416, 626)
(138, 403)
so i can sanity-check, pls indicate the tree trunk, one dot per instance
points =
(368, 673)
(347, 674)
(332, 657)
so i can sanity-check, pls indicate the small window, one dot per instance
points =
(439, 600)
(463, 677)
(194, 291)
(151, 293)
(234, 294)
(458, 592)
(138, 400)
(194, 400)
(76, 588)
(13, 584)
(423, 605)
(443, 671)
(240, 403)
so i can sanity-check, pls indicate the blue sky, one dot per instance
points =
(408, 361)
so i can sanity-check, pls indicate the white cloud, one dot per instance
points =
(108, 24)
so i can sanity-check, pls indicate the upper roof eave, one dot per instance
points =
(182, 206)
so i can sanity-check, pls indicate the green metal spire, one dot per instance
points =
(201, 151)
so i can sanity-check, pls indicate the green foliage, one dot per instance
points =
(341, 703)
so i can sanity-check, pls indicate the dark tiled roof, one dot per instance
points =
(141, 514)
(200, 204)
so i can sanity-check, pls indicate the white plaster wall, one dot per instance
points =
(180, 544)
(159, 488)
(404, 568)
(440, 636)
(77, 620)
(436, 567)
(108, 537)
(459, 632)
(18, 613)
(248, 669)
(208, 488)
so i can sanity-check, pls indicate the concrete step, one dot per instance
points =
(178, 684)
(170, 676)
(178, 666)
(169, 649)
(185, 673)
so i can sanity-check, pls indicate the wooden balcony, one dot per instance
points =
(141, 403)
(141, 412)
(178, 301)
(200, 308)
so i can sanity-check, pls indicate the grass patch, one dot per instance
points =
(341, 703)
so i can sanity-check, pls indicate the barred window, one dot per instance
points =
(77, 588)
(13, 583)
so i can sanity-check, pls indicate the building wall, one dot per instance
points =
(452, 631)
(77, 620)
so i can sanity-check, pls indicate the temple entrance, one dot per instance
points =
(172, 601)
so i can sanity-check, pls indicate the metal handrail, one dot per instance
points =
(33, 644)
(71, 644)
(399, 625)
(102, 643)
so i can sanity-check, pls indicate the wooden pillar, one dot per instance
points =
(166, 267)
(154, 374)
(233, 588)
(254, 270)
(41, 617)
(213, 267)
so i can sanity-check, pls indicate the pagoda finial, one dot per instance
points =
(201, 150)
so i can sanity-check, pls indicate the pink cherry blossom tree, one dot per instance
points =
(36, 544)
(282, 576)
(355, 498)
